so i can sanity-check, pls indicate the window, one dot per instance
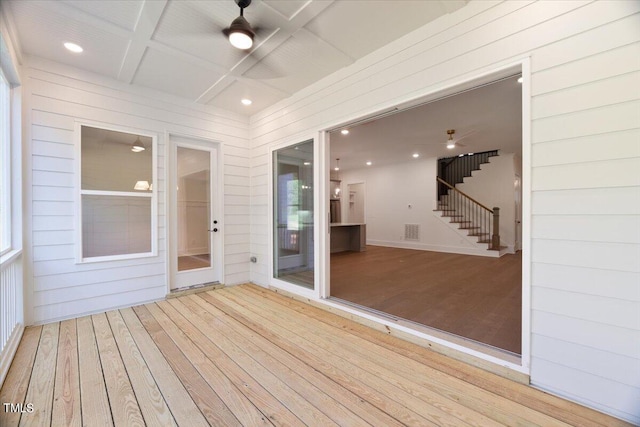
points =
(5, 164)
(117, 202)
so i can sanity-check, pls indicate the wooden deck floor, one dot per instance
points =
(248, 356)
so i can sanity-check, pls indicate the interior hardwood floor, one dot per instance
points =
(474, 297)
(248, 356)
(191, 262)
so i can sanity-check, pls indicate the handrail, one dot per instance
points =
(465, 195)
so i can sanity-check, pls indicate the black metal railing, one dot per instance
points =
(453, 170)
(471, 215)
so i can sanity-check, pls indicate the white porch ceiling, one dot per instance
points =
(178, 46)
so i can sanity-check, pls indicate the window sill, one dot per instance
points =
(10, 255)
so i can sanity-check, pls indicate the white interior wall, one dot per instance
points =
(585, 238)
(405, 193)
(55, 97)
(399, 194)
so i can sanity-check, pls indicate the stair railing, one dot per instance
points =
(471, 215)
(455, 169)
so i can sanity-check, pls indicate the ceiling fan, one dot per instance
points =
(452, 143)
(240, 33)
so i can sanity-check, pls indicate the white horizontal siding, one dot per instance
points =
(57, 97)
(585, 158)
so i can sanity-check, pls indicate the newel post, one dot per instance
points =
(495, 237)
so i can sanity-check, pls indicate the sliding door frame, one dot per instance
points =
(319, 205)
(467, 82)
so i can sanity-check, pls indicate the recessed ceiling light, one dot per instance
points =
(520, 79)
(307, 163)
(416, 155)
(73, 47)
(345, 131)
(369, 163)
(246, 101)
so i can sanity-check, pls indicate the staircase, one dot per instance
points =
(453, 170)
(471, 219)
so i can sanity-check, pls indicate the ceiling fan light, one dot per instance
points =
(451, 145)
(137, 146)
(240, 33)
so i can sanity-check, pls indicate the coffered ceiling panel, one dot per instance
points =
(159, 71)
(286, 8)
(123, 13)
(360, 27)
(301, 59)
(42, 33)
(197, 29)
(261, 96)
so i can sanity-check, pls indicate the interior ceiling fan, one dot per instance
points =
(452, 142)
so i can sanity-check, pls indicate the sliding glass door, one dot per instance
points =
(293, 252)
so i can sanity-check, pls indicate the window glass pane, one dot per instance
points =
(194, 207)
(5, 164)
(109, 162)
(115, 225)
(293, 215)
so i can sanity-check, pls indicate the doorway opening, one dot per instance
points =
(425, 261)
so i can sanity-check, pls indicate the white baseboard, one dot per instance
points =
(434, 248)
(9, 351)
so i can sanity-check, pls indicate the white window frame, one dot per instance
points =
(80, 259)
(7, 166)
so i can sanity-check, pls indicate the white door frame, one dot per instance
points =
(175, 140)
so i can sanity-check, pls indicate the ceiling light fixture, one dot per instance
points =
(246, 101)
(240, 33)
(368, 163)
(137, 146)
(72, 47)
(307, 163)
(337, 168)
(416, 155)
(451, 144)
(520, 79)
(345, 131)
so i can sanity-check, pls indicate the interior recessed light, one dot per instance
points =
(520, 79)
(246, 101)
(307, 163)
(72, 47)
(368, 163)
(345, 131)
(416, 155)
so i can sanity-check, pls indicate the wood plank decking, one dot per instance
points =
(248, 356)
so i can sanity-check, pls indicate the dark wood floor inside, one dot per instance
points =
(474, 297)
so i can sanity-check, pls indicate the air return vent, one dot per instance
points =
(412, 232)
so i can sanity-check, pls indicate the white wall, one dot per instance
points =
(399, 194)
(585, 238)
(55, 97)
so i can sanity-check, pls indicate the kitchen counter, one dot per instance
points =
(348, 237)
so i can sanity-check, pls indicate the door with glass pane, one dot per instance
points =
(197, 227)
(293, 243)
